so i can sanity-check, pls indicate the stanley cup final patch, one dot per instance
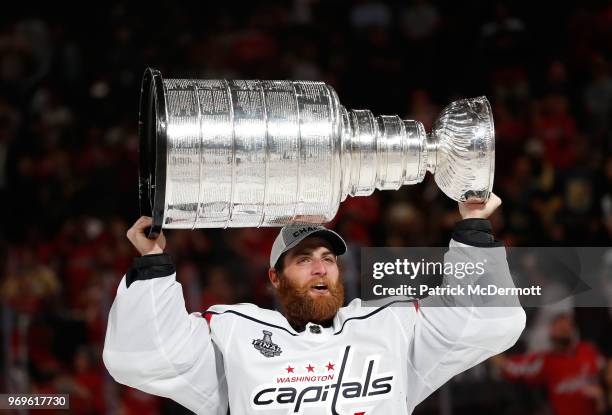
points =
(265, 345)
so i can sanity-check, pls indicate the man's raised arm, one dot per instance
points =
(152, 343)
(452, 333)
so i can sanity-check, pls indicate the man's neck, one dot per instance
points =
(300, 326)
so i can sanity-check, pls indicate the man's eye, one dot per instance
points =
(329, 259)
(302, 260)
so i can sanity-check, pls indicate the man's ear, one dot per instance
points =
(274, 277)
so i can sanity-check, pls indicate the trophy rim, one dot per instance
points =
(152, 132)
(492, 148)
(490, 123)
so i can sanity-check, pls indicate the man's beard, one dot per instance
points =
(300, 307)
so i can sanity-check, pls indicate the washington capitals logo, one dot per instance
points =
(339, 392)
(265, 345)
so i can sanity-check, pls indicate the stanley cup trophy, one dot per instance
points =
(238, 153)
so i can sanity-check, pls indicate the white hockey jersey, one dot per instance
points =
(382, 360)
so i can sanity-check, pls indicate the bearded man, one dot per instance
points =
(314, 356)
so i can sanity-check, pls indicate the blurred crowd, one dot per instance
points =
(69, 89)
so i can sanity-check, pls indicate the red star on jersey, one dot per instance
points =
(289, 369)
(310, 368)
(329, 366)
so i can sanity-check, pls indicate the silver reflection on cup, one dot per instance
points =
(249, 153)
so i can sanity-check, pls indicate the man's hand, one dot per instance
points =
(143, 244)
(479, 210)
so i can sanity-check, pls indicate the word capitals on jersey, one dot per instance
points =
(327, 391)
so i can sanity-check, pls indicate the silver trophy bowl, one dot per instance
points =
(250, 153)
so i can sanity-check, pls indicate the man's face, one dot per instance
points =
(310, 287)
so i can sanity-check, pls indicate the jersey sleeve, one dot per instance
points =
(154, 345)
(449, 334)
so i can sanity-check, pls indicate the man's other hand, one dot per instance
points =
(479, 210)
(140, 241)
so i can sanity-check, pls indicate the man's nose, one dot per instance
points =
(318, 267)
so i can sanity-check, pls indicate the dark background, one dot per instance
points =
(69, 89)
